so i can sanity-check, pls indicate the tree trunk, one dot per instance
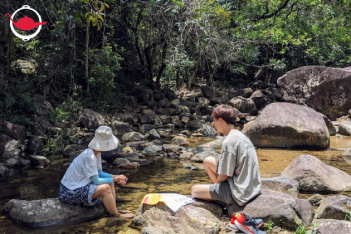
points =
(87, 57)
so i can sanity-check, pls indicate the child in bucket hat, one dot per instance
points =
(84, 179)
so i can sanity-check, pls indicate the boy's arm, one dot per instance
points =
(221, 178)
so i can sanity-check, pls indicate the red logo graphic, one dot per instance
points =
(26, 23)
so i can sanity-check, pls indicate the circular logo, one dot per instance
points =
(26, 23)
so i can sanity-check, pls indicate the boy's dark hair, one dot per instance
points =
(226, 112)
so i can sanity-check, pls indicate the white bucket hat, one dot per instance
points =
(103, 140)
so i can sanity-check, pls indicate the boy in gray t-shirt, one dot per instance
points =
(236, 175)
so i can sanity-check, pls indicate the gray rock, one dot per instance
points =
(72, 151)
(147, 127)
(40, 213)
(199, 157)
(170, 148)
(328, 226)
(157, 142)
(131, 165)
(14, 131)
(178, 140)
(151, 150)
(110, 156)
(281, 184)
(284, 125)
(330, 126)
(325, 89)
(139, 144)
(246, 92)
(207, 130)
(315, 176)
(17, 162)
(175, 103)
(133, 136)
(198, 217)
(147, 119)
(119, 161)
(186, 133)
(245, 105)
(41, 106)
(35, 144)
(152, 135)
(334, 207)
(277, 207)
(207, 91)
(316, 199)
(186, 156)
(11, 154)
(39, 125)
(215, 144)
(37, 160)
(183, 109)
(120, 128)
(91, 119)
(193, 124)
(5, 142)
(151, 230)
(259, 99)
(345, 128)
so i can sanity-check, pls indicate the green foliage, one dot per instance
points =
(268, 225)
(103, 71)
(348, 215)
(67, 111)
(301, 229)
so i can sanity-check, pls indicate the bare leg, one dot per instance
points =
(104, 190)
(112, 186)
(210, 165)
(201, 191)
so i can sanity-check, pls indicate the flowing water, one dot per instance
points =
(163, 176)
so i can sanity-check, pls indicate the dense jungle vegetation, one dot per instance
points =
(90, 52)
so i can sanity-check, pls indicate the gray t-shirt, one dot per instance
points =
(239, 161)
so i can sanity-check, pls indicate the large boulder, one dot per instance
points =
(91, 119)
(334, 207)
(197, 217)
(40, 213)
(121, 128)
(328, 226)
(193, 124)
(245, 105)
(281, 184)
(324, 89)
(277, 207)
(330, 125)
(315, 176)
(345, 128)
(41, 106)
(39, 125)
(15, 131)
(283, 125)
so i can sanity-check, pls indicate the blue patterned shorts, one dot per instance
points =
(80, 196)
